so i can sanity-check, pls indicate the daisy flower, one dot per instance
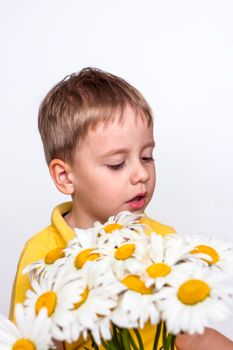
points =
(84, 238)
(102, 330)
(194, 299)
(124, 219)
(214, 251)
(117, 246)
(56, 291)
(81, 248)
(96, 242)
(121, 244)
(76, 256)
(98, 296)
(52, 260)
(137, 304)
(29, 332)
(165, 255)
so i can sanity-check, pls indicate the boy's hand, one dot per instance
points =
(59, 345)
(211, 339)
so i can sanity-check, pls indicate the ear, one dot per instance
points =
(62, 176)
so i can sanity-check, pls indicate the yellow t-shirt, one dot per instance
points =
(58, 234)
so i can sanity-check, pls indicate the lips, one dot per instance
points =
(138, 201)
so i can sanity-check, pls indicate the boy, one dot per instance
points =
(97, 133)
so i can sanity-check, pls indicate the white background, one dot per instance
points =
(178, 53)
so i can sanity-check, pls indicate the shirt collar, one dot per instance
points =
(59, 222)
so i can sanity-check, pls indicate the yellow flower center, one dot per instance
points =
(53, 255)
(193, 292)
(48, 300)
(125, 251)
(24, 344)
(205, 249)
(158, 270)
(134, 283)
(112, 227)
(84, 296)
(85, 256)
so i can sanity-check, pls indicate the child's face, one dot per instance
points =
(113, 170)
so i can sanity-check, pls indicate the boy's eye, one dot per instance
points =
(116, 166)
(148, 159)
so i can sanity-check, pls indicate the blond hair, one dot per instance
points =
(79, 103)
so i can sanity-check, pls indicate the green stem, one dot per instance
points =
(109, 345)
(157, 335)
(132, 342)
(141, 347)
(164, 332)
(114, 343)
(93, 343)
(125, 339)
(173, 342)
(117, 339)
(166, 344)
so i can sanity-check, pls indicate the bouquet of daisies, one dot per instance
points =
(113, 280)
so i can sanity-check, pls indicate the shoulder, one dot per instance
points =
(156, 226)
(34, 250)
(56, 235)
(49, 237)
(39, 245)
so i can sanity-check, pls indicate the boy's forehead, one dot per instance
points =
(118, 134)
(121, 120)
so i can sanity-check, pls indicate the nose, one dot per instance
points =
(139, 173)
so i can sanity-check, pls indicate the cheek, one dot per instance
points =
(111, 187)
(153, 179)
(101, 184)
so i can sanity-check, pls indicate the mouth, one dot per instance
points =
(138, 201)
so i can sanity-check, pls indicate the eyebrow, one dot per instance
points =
(125, 150)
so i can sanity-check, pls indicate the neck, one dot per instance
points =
(76, 218)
